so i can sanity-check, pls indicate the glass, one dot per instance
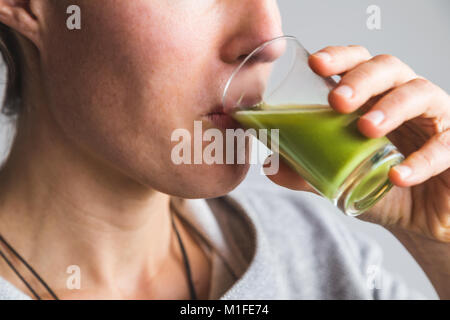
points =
(274, 88)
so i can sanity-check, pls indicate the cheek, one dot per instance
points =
(136, 57)
(135, 72)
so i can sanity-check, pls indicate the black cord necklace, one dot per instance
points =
(186, 261)
(30, 268)
(50, 291)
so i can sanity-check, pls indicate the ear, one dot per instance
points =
(21, 16)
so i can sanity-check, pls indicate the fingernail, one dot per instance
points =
(403, 171)
(344, 91)
(376, 117)
(323, 56)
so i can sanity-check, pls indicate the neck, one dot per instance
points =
(59, 207)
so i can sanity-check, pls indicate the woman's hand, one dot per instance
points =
(415, 115)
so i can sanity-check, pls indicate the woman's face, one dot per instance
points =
(138, 70)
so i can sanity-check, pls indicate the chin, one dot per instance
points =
(210, 181)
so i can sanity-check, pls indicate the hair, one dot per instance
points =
(10, 50)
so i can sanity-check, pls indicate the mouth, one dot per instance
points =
(221, 119)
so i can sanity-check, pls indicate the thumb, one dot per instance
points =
(286, 176)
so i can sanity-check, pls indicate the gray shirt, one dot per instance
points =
(274, 243)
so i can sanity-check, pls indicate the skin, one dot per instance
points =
(101, 104)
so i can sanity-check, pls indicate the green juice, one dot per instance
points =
(323, 146)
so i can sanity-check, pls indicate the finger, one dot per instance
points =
(430, 160)
(335, 60)
(367, 80)
(287, 177)
(412, 99)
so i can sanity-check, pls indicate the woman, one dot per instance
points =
(88, 190)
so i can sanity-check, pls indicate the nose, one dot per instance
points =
(252, 23)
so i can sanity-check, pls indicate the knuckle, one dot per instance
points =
(387, 58)
(421, 83)
(443, 139)
(424, 87)
(396, 97)
(446, 219)
(356, 77)
(427, 159)
(440, 232)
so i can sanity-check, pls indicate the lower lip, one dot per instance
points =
(223, 120)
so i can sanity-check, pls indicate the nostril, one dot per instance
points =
(242, 57)
(267, 52)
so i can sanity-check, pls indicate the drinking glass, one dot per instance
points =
(274, 88)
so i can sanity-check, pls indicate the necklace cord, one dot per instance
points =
(19, 275)
(183, 251)
(28, 267)
(186, 260)
(211, 246)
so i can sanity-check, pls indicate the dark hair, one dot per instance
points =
(9, 48)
